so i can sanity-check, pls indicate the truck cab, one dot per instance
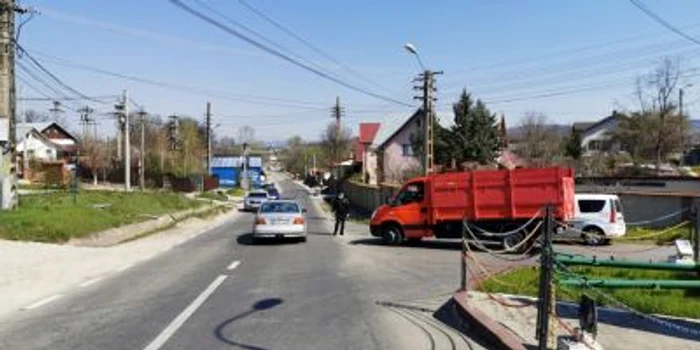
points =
(404, 216)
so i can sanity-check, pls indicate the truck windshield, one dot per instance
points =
(412, 193)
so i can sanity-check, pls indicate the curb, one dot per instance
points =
(494, 333)
(116, 235)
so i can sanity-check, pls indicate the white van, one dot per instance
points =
(598, 218)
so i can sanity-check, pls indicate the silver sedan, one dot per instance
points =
(280, 218)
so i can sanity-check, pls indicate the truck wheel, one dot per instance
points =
(511, 241)
(392, 235)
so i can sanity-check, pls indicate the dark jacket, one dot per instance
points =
(341, 208)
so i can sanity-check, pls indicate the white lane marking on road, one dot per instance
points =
(89, 282)
(168, 332)
(125, 267)
(43, 302)
(233, 265)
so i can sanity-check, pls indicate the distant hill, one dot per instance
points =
(560, 129)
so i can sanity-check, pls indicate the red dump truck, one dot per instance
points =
(492, 201)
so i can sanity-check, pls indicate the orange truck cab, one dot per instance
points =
(490, 200)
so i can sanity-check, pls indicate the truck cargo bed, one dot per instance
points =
(501, 194)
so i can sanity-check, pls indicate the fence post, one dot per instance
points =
(463, 257)
(544, 304)
(696, 234)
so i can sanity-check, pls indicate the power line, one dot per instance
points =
(663, 22)
(42, 81)
(282, 56)
(63, 98)
(266, 101)
(291, 33)
(53, 76)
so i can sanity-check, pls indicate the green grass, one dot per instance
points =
(681, 303)
(215, 195)
(236, 192)
(669, 234)
(55, 217)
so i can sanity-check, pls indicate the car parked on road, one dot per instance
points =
(279, 219)
(254, 199)
(273, 193)
(598, 218)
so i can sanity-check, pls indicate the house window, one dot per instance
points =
(407, 150)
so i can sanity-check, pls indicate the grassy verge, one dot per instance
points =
(679, 303)
(55, 217)
(213, 211)
(214, 195)
(659, 236)
(236, 192)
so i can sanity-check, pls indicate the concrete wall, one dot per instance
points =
(637, 206)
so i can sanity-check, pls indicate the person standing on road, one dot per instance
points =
(341, 208)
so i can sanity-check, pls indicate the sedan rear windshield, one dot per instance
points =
(279, 208)
(257, 195)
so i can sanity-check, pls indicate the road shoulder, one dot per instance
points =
(35, 272)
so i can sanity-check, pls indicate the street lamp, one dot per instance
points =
(412, 50)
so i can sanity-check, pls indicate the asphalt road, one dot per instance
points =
(218, 291)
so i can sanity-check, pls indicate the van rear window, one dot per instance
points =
(591, 205)
(618, 206)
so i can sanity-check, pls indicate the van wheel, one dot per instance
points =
(594, 236)
(392, 235)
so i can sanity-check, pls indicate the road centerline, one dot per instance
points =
(233, 265)
(176, 323)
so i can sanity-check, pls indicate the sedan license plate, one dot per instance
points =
(280, 221)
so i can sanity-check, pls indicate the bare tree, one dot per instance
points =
(657, 129)
(539, 142)
(34, 116)
(336, 143)
(95, 155)
(246, 134)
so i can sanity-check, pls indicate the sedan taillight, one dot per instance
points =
(298, 221)
(260, 221)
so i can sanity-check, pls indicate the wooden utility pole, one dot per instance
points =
(428, 88)
(337, 114)
(208, 116)
(142, 156)
(8, 138)
(127, 142)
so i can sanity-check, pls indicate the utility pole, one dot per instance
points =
(127, 142)
(428, 89)
(142, 156)
(8, 132)
(56, 110)
(337, 114)
(680, 109)
(85, 119)
(208, 138)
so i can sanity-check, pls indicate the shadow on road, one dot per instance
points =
(261, 305)
(247, 239)
(424, 244)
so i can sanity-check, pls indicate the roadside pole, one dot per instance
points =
(544, 301)
(142, 157)
(696, 234)
(127, 143)
(208, 116)
(463, 260)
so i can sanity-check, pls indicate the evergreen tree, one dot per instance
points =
(475, 135)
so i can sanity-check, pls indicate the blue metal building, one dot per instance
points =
(227, 169)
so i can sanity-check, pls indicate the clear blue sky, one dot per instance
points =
(500, 50)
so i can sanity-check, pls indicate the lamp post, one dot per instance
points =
(428, 88)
